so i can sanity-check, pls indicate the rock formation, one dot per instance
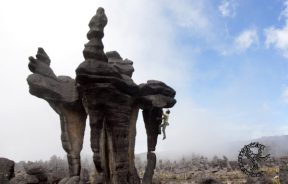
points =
(36, 173)
(6, 170)
(61, 94)
(104, 90)
(154, 96)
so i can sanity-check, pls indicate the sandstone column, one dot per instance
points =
(108, 97)
(61, 94)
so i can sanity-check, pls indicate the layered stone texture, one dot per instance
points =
(61, 94)
(153, 97)
(36, 173)
(104, 90)
(108, 95)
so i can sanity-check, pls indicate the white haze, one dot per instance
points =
(138, 30)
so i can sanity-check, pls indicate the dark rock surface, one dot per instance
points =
(36, 171)
(104, 90)
(209, 180)
(152, 119)
(6, 170)
(32, 179)
(156, 94)
(112, 101)
(44, 84)
(19, 179)
(61, 94)
(108, 97)
(122, 66)
(149, 171)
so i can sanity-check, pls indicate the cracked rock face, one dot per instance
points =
(104, 90)
(108, 97)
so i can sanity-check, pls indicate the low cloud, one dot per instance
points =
(145, 36)
(139, 30)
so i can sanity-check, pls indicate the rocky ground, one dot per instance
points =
(197, 169)
(219, 170)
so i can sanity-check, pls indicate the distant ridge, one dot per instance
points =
(277, 146)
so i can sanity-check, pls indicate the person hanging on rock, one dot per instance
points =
(165, 123)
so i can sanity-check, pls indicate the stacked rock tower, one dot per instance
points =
(104, 91)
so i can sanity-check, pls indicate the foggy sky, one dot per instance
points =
(152, 34)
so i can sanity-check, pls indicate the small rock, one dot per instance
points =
(19, 179)
(36, 170)
(31, 179)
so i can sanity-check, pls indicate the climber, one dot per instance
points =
(165, 123)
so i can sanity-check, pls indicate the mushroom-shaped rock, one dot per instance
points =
(153, 97)
(156, 94)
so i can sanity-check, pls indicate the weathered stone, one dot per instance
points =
(152, 119)
(62, 95)
(32, 179)
(113, 55)
(43, 83)
(41, 65)
(36, 170)
(18, 179)
(6, 170)
(84, 176)
(149, 171)
(158, 100)
(97, 23)
(94, 48)
(108, 99)
(134, 177)
(123, 66)
(156, 94)
(105, 91)
(156, 87)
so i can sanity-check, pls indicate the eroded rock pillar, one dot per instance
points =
(154, 96)
(108, 97)
(61, 94)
